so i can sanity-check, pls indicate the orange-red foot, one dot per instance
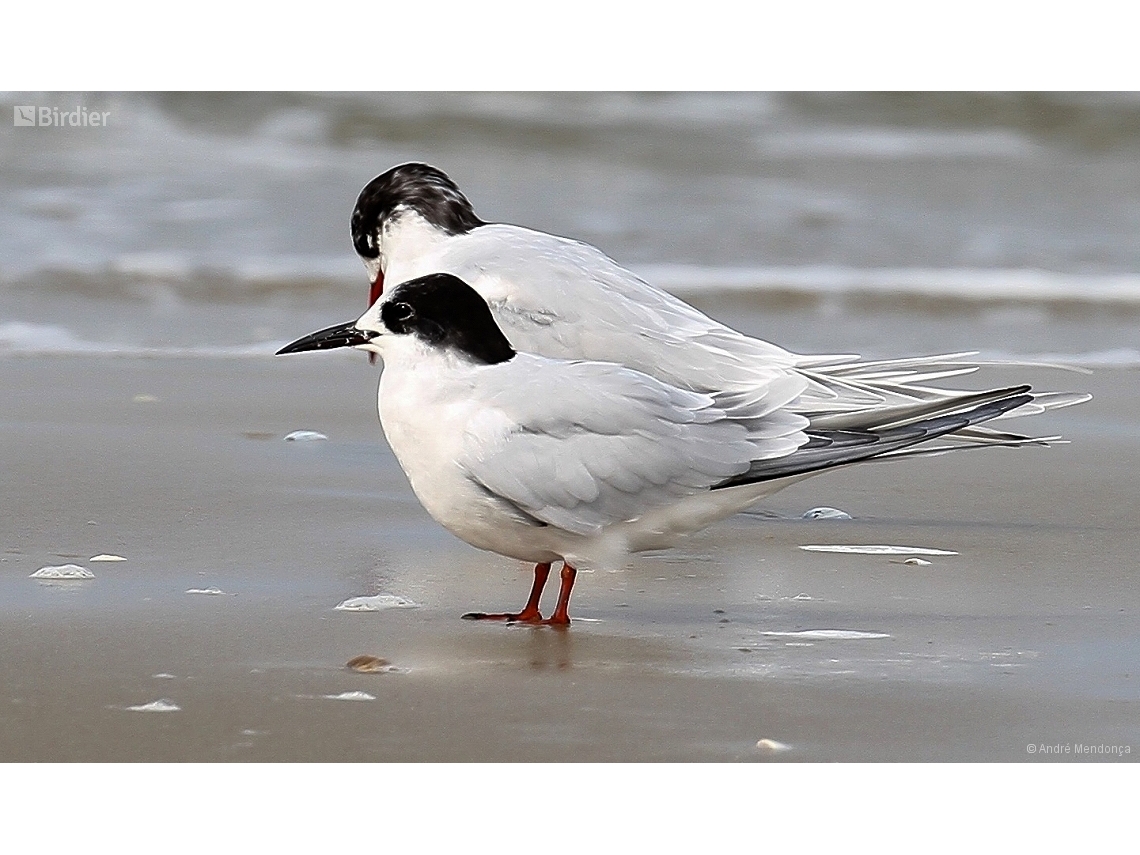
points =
(530, 613)
(563, 623)
(561, 617)
(511, 617)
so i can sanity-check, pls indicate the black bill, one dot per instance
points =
(342, 335)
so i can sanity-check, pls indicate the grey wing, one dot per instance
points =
(599, 444)
(568, 300)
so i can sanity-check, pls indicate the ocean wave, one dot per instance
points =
(21, 338)
(957, 284)
(896, 143)
(150, 275)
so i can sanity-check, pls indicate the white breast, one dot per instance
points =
(427, 403)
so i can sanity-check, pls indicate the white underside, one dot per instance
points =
(454, 427)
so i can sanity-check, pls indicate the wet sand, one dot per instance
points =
(1030, 635)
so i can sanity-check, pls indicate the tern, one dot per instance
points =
(584, 462)
(560, 298)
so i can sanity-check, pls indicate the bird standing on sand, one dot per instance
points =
(544, 459)
(562, 299)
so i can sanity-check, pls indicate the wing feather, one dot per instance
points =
(599, 444)
(567, 300)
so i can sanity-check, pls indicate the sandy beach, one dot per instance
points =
(1028, 636)
(150, 266)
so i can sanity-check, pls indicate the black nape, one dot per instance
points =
(422, 188)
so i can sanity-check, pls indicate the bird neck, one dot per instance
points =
(407, 234)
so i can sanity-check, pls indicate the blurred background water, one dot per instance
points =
(217, 224)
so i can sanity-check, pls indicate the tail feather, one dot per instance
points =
(938, 450)
(897, 415)
(843, 389)
(845, 394)
(829, 448)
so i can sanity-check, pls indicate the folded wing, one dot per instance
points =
(597, 444)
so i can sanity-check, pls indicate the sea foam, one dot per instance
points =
(63, 571)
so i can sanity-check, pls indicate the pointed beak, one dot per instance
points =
(342, 335)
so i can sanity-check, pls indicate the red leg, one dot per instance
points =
(561, 616)
(530, 613)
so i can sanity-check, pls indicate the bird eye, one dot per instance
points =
(397, 315)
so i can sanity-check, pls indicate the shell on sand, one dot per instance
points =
(367, 664)
(826, 514)
(772, 746)
(305, 436)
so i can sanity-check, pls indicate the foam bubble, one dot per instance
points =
(63, 571)
(876, 550)
(828, 634)
(161, 705)
(377, 603)
(351, 696)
